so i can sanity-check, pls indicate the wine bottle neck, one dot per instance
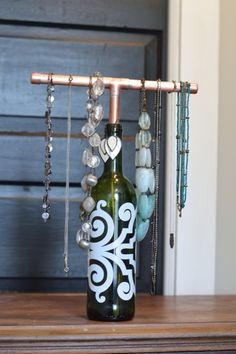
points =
(114, 166)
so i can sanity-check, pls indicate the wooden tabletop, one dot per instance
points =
(57, 323)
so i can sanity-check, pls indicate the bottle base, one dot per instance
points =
(95, 316)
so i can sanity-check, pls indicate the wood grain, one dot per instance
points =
(92, 12)
(57, 323)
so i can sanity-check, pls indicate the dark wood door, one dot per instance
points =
(117, 38)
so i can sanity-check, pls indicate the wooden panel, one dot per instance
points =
(133, 13)
(61, 53)
(57, 323)
(30, 251)
(30, 248)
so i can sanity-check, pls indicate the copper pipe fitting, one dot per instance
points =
(114, 85)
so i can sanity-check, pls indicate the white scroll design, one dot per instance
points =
(103, 252)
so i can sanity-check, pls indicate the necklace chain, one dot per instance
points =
(156, 166)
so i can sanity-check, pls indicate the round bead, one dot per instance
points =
(93, 161)
(45, 216)
(87, 154)
(95, 140)
(86, 227)
(88, 130)
(144, 121)
(84, 244)
(88, 204)
(84, 184)
(91, 180)
(79, 236)
(90, 105)
(82, 239)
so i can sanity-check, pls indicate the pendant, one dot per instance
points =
(102, 151)
(112, 146)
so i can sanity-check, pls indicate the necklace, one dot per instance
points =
(182, 145)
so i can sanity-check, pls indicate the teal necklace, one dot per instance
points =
(182, 145)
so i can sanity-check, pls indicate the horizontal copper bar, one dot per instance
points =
(122, 83)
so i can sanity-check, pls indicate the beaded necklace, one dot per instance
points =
(182, 145)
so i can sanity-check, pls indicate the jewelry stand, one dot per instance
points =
(115, 85)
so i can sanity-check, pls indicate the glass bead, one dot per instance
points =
(145, 180)
(50, 147)
(145, 138)
(51, 88)
(151, 180)
(144, 121)
(98, 112)
(47, 164)
(95, 140)
(146, 205)
(87, 227)
(84, 184)
(88, 204)
(142, 156)
(45, 216)
(142, 230)
(88, 130)
(84, 244)
(79, 236)
(82, 239)
(87, 154)
(96, 115)
(90, 105)
(91, 180)
(45, 205)
(98, 87)
(142, 179)
(145, 158)
(148, 158)
(93, 161)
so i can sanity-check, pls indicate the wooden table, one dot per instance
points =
(57, 323)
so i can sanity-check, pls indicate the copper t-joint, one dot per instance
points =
(115, 85)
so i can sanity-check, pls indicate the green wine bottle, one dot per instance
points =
(111, 268)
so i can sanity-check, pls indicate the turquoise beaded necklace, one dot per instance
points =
(182, 145)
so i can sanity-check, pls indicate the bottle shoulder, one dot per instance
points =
(114, 183)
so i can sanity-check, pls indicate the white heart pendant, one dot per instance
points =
(102, 151)
(112, 146)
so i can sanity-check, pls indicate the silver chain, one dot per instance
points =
(67, 189)
(156, 166)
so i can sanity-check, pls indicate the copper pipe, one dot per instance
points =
(125, 84)
(114, 116)
(112, 83)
